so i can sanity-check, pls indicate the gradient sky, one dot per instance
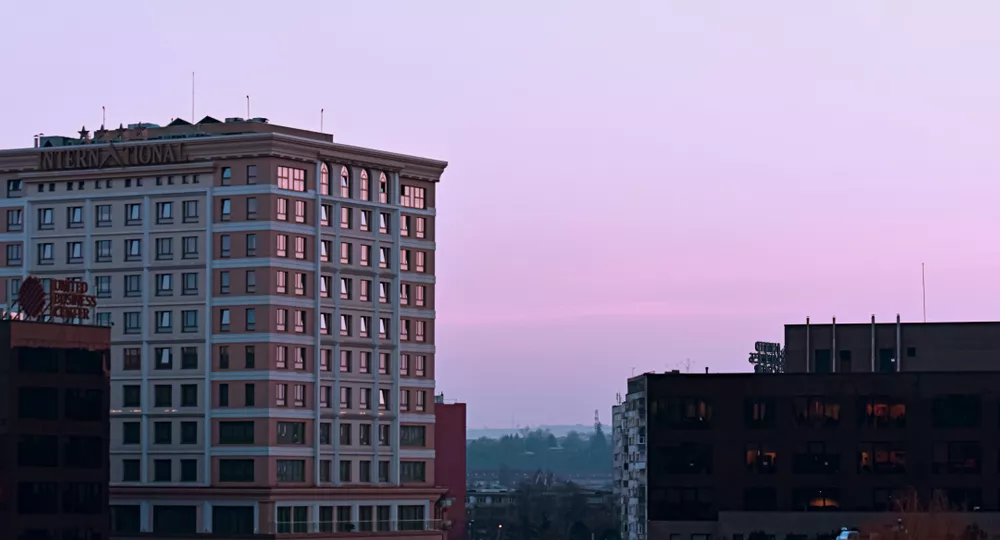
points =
(631, 183)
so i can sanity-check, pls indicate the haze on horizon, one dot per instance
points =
(630, 185)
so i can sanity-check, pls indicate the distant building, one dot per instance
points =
(629, 454)
(449, 463)
(54, 431)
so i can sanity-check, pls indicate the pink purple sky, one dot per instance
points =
(631, 183)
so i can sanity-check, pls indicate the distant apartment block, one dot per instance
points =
(271, 301)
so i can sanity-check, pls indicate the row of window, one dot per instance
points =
(39, 498)
(946, 411)
(242, 432)
(78, 451)
(78, 404)
(163, 397)
(163, 359)
(15, 186)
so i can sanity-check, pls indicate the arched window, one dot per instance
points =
(383, 189)
(324, 180)
(345, 183)
(365, 193)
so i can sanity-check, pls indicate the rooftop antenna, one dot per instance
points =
(104, 116)
(321, 120)
(248, 107)
(193, 119)
(923, 289)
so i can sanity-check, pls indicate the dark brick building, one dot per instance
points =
(53, 431)
(806, 453)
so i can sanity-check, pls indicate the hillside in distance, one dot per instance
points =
(496, 433)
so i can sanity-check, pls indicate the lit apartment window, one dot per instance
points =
(324, 250)
(251, 281)
(383, 292)
(164, 284)
(366, 220)
(346, 218)
(324, 215)
(164, 322)
(404, 365)
(252, 208)
(300, 283)
(404, 329)
(45, 253)
(300, 247)
(345, 361)
(345, 325)
(224, 282)
(364, 186)
(324, 286)
(404, 225)
(74, 252)
(281, 357)
(383, 363)
(291, 179)
(251, 245)
(421, 400)
(345, 253)
(300, 395)
(300, 358)
(324, 180)
(421, 293)
(15, 220)
(282, 250)
(223, 320)
(345, 183)
(190, 247)
(103, 216)
(164, 212)
(226, 211)
(383, 327)
(133, 214)
(421, 261)
(282, 209)
(365, 322)
(421, 368)
(326, 360)
(164, 249)
(345, 399)
(383, 222)
(190, 210)
(324, 323)
(366, 255)
(383, 189)
(46, 218)
(404, 260)
(251, 174)
(280, 393)
(281, 282)
(282, 322)
(383, 399)
(14, 254)
(404, 400)
(421, 330)
(74, 217)
(365, 363)
(300, 211)
(421, 227)
(384, 256)
(365, 290)
(345, 288)
(300, 321)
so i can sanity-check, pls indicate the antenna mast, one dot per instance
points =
(248, 107)
(923, 288)
(321, 120)
(193, 119)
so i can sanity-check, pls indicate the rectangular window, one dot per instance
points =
(14, 254)
(15, 220)
(236, 470)
(225, 210)
(190, 210)
(190, 247)
(251, 245)
(164, 249)
(412, 471)
(251, 281)
(300, 211)
(164, 322)
(164, 213)
(236, 432)
(291, 433)
(133, 214)
(223, 320)
(251, 174)
(251, 208)
(291, 179)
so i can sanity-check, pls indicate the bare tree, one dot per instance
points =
(917, 520)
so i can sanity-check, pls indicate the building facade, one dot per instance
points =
(54, 402)
(806, 454)
(271, 301)
(450, 473)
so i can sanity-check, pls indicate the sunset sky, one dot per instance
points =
(631, 183)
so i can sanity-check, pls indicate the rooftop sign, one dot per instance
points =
(767, 358)
(67, 299)
(102, 157)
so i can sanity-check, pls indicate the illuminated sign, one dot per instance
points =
(768, 358)
(100, 157)
(67, 299)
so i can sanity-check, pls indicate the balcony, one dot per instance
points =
(411, 530)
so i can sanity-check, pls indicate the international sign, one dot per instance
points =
(67, 299)
(767, 358)
(101, 156)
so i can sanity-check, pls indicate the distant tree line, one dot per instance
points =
(549, 512)
(575, 453)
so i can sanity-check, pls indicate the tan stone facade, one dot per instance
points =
(271, 298)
